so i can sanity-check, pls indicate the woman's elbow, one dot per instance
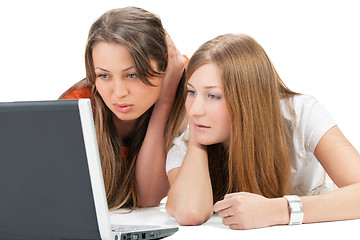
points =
(151, 198)
(150, 201)
(189, 217)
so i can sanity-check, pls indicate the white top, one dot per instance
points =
(312, 122)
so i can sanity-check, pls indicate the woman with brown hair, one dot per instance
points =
(133, 70)
(253, 146)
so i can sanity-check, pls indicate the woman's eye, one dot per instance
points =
(190, 92)
(103, 76)
(132, 75)
(213, 96)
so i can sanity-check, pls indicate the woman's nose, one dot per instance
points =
(121, 89)
(197, 107)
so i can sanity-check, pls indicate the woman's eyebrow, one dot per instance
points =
(212, 87)
(124, 70)
(190, 85)
(127, 69)
(101, 69)
(207, 87)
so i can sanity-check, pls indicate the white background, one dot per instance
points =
(314, 44)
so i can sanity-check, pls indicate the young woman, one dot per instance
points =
(252, 142)
(133, 71)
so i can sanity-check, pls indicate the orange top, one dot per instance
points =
(84, 92)
(81, 89)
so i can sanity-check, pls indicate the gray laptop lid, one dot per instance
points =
(45, 187)
(51, 184)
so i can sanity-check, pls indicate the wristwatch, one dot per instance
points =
(296, 209)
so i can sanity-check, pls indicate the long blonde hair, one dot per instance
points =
(142, 33)
(257, 159)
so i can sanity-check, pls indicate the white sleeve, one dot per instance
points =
(313, 120)
(177, 152)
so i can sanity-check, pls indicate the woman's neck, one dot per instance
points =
(124, 129)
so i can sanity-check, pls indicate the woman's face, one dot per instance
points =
(119, 84)
(206, 107)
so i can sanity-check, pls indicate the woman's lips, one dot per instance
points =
(201, 127)
(123, 107)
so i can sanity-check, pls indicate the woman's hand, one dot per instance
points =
(174, 70)
(192, 137)
(244, 210)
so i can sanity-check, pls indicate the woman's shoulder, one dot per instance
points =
(300, 99)
(303, 99)
(312, 119)
(300, 104)
(79, 90)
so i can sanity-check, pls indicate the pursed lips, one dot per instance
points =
(123, 107)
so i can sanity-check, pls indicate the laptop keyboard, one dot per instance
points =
(131, 228)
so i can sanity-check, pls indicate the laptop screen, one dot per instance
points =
(45, 187)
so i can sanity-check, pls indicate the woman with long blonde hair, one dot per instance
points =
(133, 70)
(256, 152)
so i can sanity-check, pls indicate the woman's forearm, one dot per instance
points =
(340, 204)
(190, 197)
(151, 179)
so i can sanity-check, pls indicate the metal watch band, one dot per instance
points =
(296, 209)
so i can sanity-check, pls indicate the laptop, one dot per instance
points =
(51, 184)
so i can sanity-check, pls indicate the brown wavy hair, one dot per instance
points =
(257, 159)
(142, 33)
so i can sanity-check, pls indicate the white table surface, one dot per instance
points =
(214, 229)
